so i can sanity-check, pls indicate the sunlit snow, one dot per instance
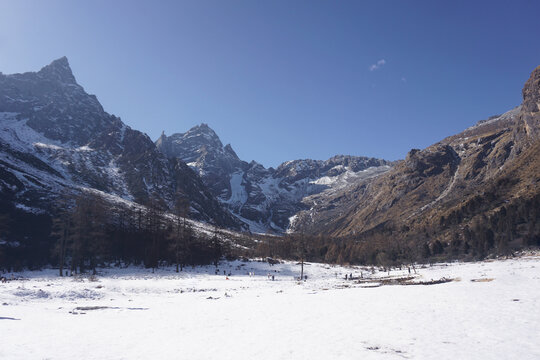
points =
(490, 310)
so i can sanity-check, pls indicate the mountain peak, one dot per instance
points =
(203, 131)
(58, 70)
(531, 92)
(229, 150)
(203, 128)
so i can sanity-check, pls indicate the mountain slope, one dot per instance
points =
(265, 199)
(53, 135)
(483, 180)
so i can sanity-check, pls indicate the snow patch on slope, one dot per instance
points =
(64, 158)
(239, 195)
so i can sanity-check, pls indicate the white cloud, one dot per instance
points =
(404, 79)
(377, 65)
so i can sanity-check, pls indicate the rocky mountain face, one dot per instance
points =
(483, 181)
(203, 151)
(264, 199)
(53, 136)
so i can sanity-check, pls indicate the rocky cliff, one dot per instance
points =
(483, 181)
(55, 136)
(264, 199)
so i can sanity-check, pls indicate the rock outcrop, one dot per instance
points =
(264, 199)
(483, 178)
(53, 136)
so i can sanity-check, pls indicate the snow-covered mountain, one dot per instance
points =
(53, 136)
(265, 199)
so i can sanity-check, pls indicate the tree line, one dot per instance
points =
(86, 231)
(468, 233)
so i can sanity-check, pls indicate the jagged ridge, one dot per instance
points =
(481, 176)
(264, 199)
(53, 135)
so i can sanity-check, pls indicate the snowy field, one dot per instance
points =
(134, 314)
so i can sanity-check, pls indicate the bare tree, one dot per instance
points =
(84, 231)
(180, 232)
(154, 224)
(61, 226)
(217, 250)
(5, 226)
(301, 252)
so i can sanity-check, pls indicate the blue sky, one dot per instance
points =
(283, 80)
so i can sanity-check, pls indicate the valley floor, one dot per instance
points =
(491, 310)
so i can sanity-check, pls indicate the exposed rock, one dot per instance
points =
(528, 129)
(263, 198)
(53, 135)
(439, 192)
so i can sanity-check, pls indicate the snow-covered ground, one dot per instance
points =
(134, 314)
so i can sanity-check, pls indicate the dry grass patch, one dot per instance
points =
(482, 280)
